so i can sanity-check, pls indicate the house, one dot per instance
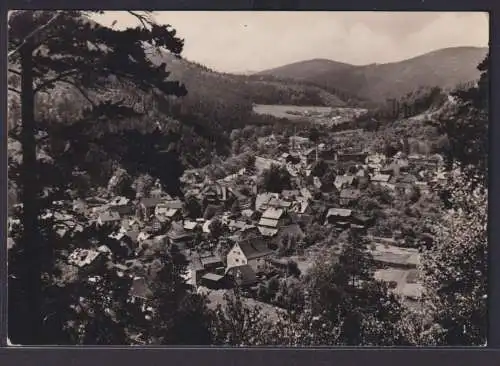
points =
(277, 203)
(381, 179)
(242, 275)
(147, 206)
(178, 236)
(342, 181)
(301, 206)
(210, 261)
(349, 196)
(190, 225)
(359, 157)
(262, 200)
(86, 258)
(213, 281)
(298, 142)
(215, 193)
(139, 291)
(252, 252)
(306, 193)
(290, 194)
(158, 224)
(340, 217)
(109, 218)
(270, 221)
(171, 210)
(310, 155)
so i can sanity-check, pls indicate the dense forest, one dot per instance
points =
(87, 101)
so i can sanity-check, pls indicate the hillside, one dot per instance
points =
(445, 68)
(206, 84)
(304, 70)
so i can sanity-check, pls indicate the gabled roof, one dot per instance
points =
(170, 205)
(268, 222)
(254, 248)
(109, 216)
(273, 213)
(381, 178)
(267, 231)
(245, 273)
(190, 225)
(339, 212)
(350, 193)
(150, 201)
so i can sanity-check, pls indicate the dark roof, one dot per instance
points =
(254, 248)
(132, 235)
(150, 201)
(140, 289)
(210, 260)
(177, 231)
(245, 272)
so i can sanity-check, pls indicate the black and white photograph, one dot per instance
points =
(247, 178)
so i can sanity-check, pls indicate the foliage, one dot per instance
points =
(455, 269)
(276, 179)
(465, 123)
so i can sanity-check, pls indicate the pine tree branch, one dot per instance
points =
(60, 77)
(14, 90)
(32, 34)
(141, 18)
(82, 92)
(16, 72)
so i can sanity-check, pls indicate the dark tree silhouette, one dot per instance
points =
(48, 48)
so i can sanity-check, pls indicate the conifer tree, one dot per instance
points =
(50, 48)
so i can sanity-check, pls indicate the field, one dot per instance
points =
(288, 111)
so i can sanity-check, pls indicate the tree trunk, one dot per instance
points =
(29, 196)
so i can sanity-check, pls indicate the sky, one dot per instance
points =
(240, 42)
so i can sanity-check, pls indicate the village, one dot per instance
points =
(233, 232)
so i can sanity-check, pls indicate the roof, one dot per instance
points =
(82, 257)
(119, 201)
(190, 225)
(244, 272)
(140, 289)
(150, 201)
(212, 277)
(177, 231)
(268, 222)
(275, 202)
(109, 216)
(381, 178)
(344, 179)
(254, 248)
(266, 231)
(339, 212)
(212, 259)
(133, 235)
(350, 193)
(171, 204)
(273, 213)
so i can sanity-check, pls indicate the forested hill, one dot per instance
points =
(204, 83)
(444, 68)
